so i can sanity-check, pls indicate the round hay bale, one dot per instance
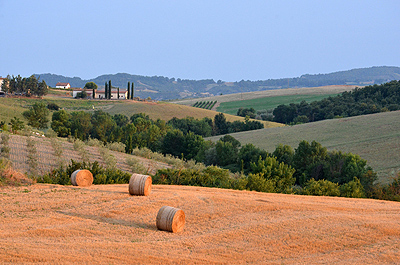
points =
(170, 219)
(140, 184)
(82, 178)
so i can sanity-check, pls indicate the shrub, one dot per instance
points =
(135, 165)
(53, 106)
(352, 189)
(94, 142)
(5, 148)
(80, 147)
(50, 133)
(321, 188)
(116, 146)
(258, 183)
(62, 175)
(210, 177)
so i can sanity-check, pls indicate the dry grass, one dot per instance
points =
(102, 224)
(324, 90)
(11, 177)
(166, 111)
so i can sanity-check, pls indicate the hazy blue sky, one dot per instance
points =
(227, 40)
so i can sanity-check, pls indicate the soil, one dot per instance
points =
(103, 224)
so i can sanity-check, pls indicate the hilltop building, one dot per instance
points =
(100, 93)
(123, 94)
(1, 81)
(63, 85)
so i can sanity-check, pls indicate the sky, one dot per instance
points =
(220, 40)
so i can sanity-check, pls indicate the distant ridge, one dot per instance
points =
(164, 88)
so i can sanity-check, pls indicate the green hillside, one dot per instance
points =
(375, 137)
(267, 103)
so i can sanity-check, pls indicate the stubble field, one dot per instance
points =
(103, 224)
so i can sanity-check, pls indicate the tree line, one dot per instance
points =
(140, 131)
(360, 101)
(28, 86)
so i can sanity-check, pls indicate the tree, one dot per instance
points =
(243, 112)
(103, 124)
(220, 124)
(309, 161)
(42, 89)
(80, 124)
(120, 119)
(106, 90)
(118, 93)
(16, 124)
(109, 89)
(133, 91)
(284, 153)
(82, 94)
(226, 153)
(278, 176)
(129, 91)
(173, 143)
(249, 153)
(90, 85)
(37, 115)
(61, 123)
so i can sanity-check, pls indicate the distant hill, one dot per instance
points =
(164, 88)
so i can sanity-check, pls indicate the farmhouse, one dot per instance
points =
(1, 82)
(63, 85)
(123, 94)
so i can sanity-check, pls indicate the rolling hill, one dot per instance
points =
(10, 107)
(374, 137)
(164, 88)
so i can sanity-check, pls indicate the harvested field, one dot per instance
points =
(47, 159)
(102, 224)
(323, 90)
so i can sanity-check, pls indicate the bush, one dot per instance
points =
(62, 175)
(116, 146)
(210, 177)
(321, 188)
(94, 142)
(135, 165)
(257, 182)
(50, 133)
(53, 106)
(352, 189)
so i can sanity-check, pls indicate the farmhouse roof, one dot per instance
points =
(62, 84)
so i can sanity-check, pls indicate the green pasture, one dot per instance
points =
(10, 107)
(267, 103)
(375, 138)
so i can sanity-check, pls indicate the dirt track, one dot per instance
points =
(104, 225)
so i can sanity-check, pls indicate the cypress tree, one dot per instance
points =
(109, 89)
(93, 94)
(133, 91)
(129, 90)
(106, 91)
(118, 92)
